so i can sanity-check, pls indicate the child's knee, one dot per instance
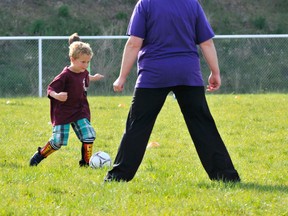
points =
(90, 136)
(57, 144)
(89, 139)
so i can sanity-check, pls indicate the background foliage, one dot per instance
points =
(110, 17)
(248, 65)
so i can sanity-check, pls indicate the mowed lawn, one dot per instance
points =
(170, 180)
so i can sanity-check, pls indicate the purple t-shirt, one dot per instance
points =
(76, 106)
(171, 30)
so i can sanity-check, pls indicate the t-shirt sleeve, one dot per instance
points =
(87, 80)
(203, 28)
(137, 24)
(56, 85)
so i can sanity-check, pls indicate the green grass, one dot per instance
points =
(170, 181)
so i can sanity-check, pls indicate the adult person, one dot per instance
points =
(164, 35)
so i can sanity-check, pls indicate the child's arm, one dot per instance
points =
(61, 96)
(96, 77)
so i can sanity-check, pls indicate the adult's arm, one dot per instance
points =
(130, 53)
(210, 54)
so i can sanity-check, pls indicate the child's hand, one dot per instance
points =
(96, 77)
(62, 96)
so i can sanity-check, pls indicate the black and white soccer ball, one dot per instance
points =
(100, 159)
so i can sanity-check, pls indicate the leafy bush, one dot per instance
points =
(63, 11)
(260, 22)
(38, 27)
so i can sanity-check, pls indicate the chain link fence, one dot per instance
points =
(248, 63)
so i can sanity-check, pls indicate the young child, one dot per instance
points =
(69, 105)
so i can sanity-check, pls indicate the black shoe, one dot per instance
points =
(82, 163)
(111, 178)
(36, 158)
(227, 176)
(108, 178)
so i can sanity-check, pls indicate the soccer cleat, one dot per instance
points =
(42, 153)
(227, 176)
(36, 158)
(113, 178)
(108, 178)
(82, 163)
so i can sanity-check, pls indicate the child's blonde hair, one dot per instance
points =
(74, 37)
(78, 48)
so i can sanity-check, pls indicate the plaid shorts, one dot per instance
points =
(83, 129)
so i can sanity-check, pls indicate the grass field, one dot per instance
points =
(170, 181)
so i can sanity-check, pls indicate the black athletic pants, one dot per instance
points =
(146, 105)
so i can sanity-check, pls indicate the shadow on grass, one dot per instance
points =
(246, 186)
(261, 187)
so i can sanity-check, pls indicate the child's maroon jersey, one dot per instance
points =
(76, 106)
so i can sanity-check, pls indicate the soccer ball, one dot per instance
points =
(100, 159)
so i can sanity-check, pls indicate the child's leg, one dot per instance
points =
(86, 134)
(59, 137)
(86, 153)
(46, 150)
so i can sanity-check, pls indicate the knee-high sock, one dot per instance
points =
(86, 151)
(47, 150)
